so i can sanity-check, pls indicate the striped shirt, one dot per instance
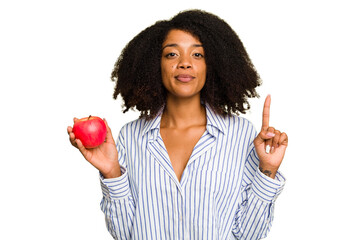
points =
(221, 194)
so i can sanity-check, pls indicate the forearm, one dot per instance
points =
(255, 212)
(117, 205)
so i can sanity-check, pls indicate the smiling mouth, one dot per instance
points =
(184, 78)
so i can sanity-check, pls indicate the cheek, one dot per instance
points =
(168, 71)
(167, 68)
(203, 71)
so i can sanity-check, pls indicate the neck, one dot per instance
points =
(183, 113)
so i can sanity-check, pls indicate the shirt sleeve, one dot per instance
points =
(255, 212)
(117, 203)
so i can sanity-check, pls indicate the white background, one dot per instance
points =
(55, 63)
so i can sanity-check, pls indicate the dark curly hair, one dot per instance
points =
(231, 77)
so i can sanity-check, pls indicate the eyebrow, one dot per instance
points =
(175, 45)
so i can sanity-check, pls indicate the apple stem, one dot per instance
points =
(89, 117)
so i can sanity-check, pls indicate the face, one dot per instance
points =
(183, 67)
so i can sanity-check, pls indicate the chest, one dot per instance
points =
(179, 145)
(207, 193)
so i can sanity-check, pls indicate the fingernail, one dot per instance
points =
(270, 134)
(267, 149)
(272, 150)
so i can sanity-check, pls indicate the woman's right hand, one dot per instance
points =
(103, 157)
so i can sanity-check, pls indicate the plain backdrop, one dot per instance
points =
(55, 63)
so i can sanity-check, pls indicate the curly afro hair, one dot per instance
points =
(231, 77)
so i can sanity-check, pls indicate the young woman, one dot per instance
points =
(189, 167)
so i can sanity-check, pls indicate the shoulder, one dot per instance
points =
(240, 127)
(234, 121)
(140, 127)
(132, 128)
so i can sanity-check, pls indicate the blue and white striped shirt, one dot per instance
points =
(221, 194)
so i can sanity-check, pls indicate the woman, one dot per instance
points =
(188, 168)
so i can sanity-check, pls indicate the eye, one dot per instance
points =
(170, 55)
(198, 55)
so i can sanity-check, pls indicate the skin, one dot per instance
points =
(276, 140)
(184, 118)
(182, 55)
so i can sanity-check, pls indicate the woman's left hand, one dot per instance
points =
(270, 144)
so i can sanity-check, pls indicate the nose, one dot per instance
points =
(184, 63)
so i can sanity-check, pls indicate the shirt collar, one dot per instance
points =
(213, 120)
(153, 123)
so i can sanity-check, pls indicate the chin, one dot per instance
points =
(185, 95)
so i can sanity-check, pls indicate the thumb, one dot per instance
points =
(109, 138)
(264, 135)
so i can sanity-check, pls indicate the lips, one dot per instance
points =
(184, 78)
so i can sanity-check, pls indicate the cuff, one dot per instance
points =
(266, 188)
(115, 188)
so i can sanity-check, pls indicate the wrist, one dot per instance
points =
(269, 171)
(113, 173)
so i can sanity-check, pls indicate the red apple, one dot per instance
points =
(90, 130)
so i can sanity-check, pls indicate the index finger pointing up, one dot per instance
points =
(266, 113)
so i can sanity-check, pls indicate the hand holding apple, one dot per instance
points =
(90, 130)
(104, 156)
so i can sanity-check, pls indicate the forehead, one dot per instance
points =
(176, 36)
